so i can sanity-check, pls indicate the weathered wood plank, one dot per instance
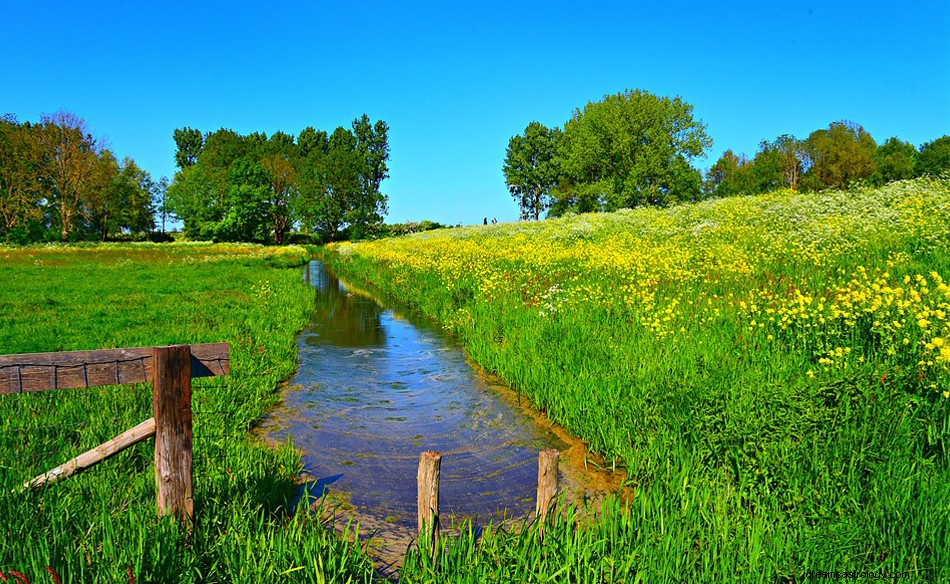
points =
(171, 404)
(430, 465)
(74, 369)
(547, 485)
(130, 437)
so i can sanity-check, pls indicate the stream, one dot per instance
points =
(375, 387)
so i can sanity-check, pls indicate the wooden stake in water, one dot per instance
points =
(430, 465)
(547, 485)
(171, 404)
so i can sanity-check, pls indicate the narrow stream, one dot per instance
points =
(376, 387)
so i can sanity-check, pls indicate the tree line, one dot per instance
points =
(834, 157)
(233, 187)
(58, 182)
(634, 148)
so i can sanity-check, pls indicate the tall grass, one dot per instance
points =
(101, 525)
(771, 372)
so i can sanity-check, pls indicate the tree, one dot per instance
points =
(531, 168)
(21, 187)
(189, 143)
(72, 157)
(332, 184)
(730, 175)
(234, 184)
(372, 142)
(839, 155)
(934, 157)
(200, 194)
(159, 193)
(895, 160)
(340, 178)
(278, 159)
(248, 209)
(632, 149)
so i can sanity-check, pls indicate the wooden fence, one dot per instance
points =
(427, 481)
(168, 369)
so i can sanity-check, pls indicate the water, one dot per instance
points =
(375, 388)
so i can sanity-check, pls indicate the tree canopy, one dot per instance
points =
(531, 168)
(842, 154)
(627, 150)
(934, 157)
(59, 182)
(256, 188)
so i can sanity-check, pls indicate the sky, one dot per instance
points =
(455, 81)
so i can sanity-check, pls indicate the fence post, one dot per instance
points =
(547, 485)
(171, 405)
(430, 464)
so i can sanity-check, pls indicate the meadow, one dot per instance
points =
(101, 525)
(771, 372)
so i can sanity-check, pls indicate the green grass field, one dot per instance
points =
(101, 525)
(771, 372)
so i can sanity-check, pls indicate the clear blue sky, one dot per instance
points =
(456, 81)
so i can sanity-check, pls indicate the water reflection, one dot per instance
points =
(342, 318)
(373, 390)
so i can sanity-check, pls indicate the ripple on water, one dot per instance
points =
(373, 390)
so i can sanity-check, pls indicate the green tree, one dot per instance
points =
(330, 184)
(632, 149)
(894, 160)
(278, 158)
(340, 178)
(21, 185)
(122, 200)
(201, 192)
(189, 143)
(71, 155)
(837, 156)
(333, 184)
(248, 208)
(934, 158)
(531, 168)
(730, 175)
(372, 142)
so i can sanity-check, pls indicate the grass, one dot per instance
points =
(771, 372)
(101, 525)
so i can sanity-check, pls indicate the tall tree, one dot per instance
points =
(189, 143)
(73, 154)
(634, 148)
(895, 160)
(278, 161)
(934, 158)
(21, 186)
(838, 155)
(331, 184)
(372, 142)
(730, 175)
(531, 168)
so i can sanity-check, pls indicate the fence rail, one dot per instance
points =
(169, 369)
(30, 372)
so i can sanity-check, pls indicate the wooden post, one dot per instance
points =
(547, 485)
(171, 404)
(430, 465)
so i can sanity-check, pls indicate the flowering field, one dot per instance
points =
(772, 372)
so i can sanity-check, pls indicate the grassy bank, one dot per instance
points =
(773, 373)
(101, 526)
